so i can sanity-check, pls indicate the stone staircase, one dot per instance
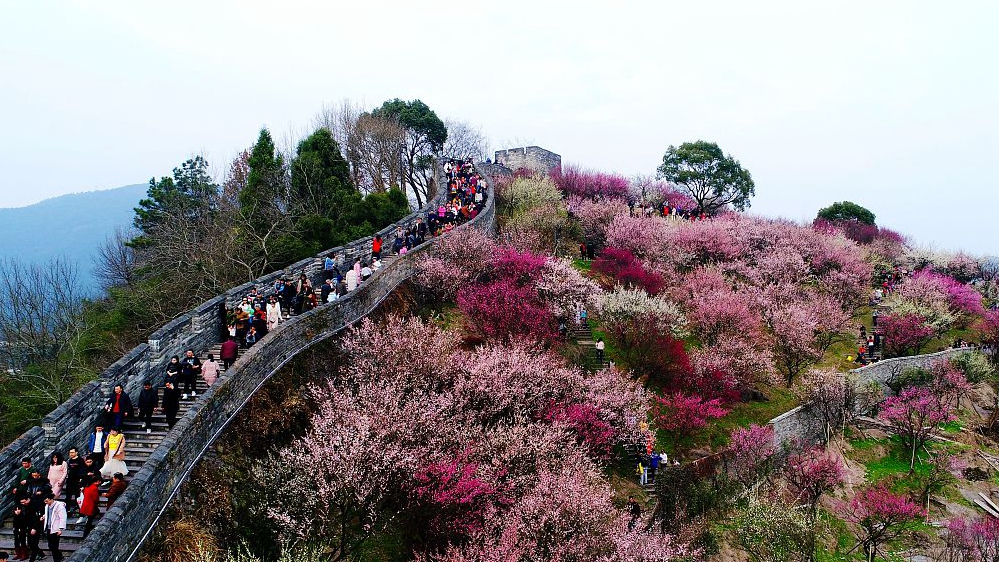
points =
(138, 446)
(583, 335)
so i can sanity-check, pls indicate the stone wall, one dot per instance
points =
(798, 429)
(875, 375)
(125, 526)
(530, 157)
(802, 427)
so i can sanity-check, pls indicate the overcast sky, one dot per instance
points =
(893, 105)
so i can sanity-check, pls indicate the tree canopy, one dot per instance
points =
(425, 138)
(713, 179)
(187, 195)
(846, 211)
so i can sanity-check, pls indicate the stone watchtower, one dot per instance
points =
(531, 157)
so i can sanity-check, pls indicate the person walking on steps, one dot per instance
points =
(171, 404)
(54, 521)
(117, 408)
(191, 370)
(148, 400)
(230, 349)
(600, 351)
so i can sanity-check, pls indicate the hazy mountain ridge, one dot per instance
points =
(71, 226)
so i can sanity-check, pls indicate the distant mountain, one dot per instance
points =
(70, 226)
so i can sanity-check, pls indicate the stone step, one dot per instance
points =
(66, 546)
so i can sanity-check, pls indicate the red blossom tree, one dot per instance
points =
(503, 309)
(451, 499)
(915, 415)
(880, 516)
(681, 414)
(585, 422)
(624, 268)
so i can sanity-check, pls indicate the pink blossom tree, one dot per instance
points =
(679, 414)
(915, 415)
(973, 540)
(880, 517)
(904, 334)
(811, 474)
(589, 184)
(595, 216)
(751, 453)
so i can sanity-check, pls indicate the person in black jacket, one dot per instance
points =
(324, 292)
(171, 403)
(74, 475)
(118, 407)
(173, 370)
(23, 521)
(191, 371)
(148, 400)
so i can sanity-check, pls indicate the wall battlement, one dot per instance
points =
(531, 157)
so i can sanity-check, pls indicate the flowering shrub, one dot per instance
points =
(961, 298)
(584, 420)
(963, 268)
(561, 286)
(595, 216)
(502, 310)
(988, 329)
(915, 415)
(904, 334)
(681, 414)
(751, 450)
(747, 361)
(574, 181)
(623, 267)
(454, 261)
(621, 307)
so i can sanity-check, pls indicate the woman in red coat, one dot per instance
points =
(89, 508)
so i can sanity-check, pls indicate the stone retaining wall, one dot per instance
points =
(125, 526)
(877, 374)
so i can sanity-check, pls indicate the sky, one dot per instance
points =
(892, 105)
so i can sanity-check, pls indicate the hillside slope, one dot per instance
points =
(71, 226)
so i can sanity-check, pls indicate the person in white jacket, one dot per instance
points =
(53, 524)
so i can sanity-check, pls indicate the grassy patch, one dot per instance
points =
(716, 434)
(582, 265)
(952, 427)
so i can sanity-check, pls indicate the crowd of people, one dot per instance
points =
(665, 210)
(73, 485)
(257, 314)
